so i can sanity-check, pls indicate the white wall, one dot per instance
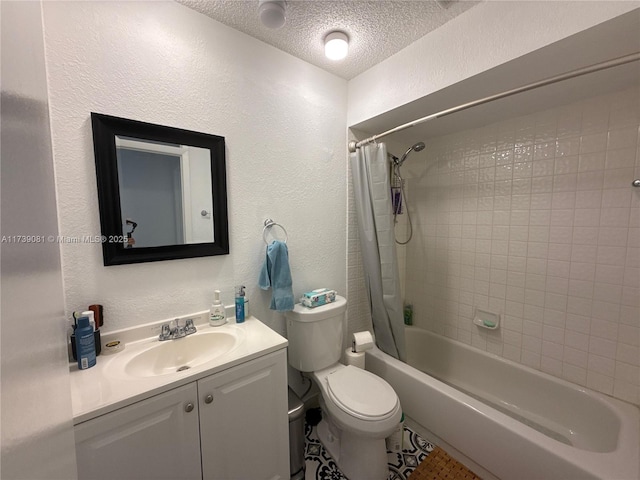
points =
(283, 120)
(483, 37)
(37, 432)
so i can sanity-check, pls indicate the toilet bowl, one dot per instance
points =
(358, 400)
(359, 409)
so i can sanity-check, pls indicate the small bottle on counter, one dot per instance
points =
(85, 344)
(217, 315)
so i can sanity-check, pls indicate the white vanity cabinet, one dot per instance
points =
(229, 425)
(244, 426)
(156, 438)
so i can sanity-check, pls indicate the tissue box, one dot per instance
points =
(318, 297)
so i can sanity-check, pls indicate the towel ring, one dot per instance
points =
(268, 223)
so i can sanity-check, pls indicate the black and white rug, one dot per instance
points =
(320, 466)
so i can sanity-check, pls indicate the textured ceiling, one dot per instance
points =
(376, 29)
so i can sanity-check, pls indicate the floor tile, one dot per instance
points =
(320, 465)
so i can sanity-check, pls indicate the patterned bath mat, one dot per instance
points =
(440, 466)
(320, 466)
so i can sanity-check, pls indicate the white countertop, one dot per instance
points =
(104, 388)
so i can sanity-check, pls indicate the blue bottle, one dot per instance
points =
(85, 344)
(240, 304)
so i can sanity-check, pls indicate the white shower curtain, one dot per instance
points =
(372, 191)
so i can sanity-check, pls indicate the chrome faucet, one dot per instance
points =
(173, 330)
(189, 327)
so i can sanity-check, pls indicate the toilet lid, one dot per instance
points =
(361, 393)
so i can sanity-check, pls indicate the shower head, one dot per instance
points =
(417, 147)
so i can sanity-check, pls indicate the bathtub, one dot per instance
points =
(507, 420)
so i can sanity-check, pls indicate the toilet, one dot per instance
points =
(359, 409)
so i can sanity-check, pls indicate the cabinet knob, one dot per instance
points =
(188, 407)
(208, 398)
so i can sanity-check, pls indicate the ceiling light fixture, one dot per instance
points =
(272, 13)
(336, 45)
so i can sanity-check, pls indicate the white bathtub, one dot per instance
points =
(529, 425)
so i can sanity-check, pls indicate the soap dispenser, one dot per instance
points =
(217, 315)
(240, 304)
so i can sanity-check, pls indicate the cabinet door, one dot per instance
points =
(244, 426)
(156, 438)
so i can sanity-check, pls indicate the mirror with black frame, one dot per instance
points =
(161, 190)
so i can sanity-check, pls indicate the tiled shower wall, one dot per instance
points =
(535, 218)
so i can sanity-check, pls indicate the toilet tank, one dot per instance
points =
(315, 335)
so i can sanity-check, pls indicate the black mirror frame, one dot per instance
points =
(105, 128)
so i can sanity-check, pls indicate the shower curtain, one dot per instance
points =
(372, 191)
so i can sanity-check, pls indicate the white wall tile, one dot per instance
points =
(576, 340)
(558, 285)
(613, 274)
(579, 306)
(603, 347)
(530, 359)
(536, 219)
(626, 391)
(550, 365)
(585, 235)
(601, 365)
(629, 335)
(584, 253)
(621, 158)
(578, 323)
(627, 373)
(594, 142)
(590, 180)
(618, 177)
(613, 236)
(623, 138)
(633, 257)
(616, 198)
(574, 374)
(580, 288)
(631, 296)
(575, 357)
(612, 255)
(590, 162)
(630, 315)
(628, 354)
(589, 198)
(599, 382)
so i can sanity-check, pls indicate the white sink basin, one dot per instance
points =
(181, 354)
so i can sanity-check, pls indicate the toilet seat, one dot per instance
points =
(362, 394)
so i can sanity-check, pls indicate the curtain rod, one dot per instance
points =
(541, 83)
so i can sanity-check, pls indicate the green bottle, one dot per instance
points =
(408, 315)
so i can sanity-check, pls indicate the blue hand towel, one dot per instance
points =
(276, 274)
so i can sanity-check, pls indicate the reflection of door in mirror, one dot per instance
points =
(165, 190)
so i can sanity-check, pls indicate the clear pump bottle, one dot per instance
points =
(217, 315)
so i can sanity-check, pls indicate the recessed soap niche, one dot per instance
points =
(486, 319)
